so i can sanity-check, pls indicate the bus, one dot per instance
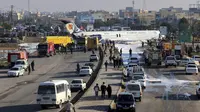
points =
(53, 93)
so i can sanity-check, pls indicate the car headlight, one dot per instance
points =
(132, 105)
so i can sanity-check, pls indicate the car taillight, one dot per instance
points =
(53, 99)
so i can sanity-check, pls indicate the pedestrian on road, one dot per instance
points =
(114, 61)
(106, 65)
(71, 50)
(121, 51)
(70, 107)
(93, 51)
(117, 62)
(78, 68)
(103, 90)
(130, 52)
(29, 69)
(109, 90)
(96, 90)
(110, 59)
(33, 65)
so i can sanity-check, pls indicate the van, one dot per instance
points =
(53, 93)
(134, 88)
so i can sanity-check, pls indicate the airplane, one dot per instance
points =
(125, 36)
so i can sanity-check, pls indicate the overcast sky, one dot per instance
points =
(84, 5)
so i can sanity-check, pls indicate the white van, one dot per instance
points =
(134, 88)
(53, 93)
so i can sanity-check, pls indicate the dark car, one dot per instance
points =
(125, 102)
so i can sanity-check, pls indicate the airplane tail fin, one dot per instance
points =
(71, 27)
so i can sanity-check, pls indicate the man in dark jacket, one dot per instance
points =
(103, 90)
(33, 65)
(106, 65)
(109, 90)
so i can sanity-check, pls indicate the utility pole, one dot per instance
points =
(11, 15)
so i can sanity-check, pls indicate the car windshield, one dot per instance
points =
(170, 58)
(15, 69)
(46, 89)
(125, 98)
(76, 81)
(93, 55)
(85, 68)
(133, 87)
(20, 62)
(133, 58)
(192, 66)
(131, 65)
(137, 77)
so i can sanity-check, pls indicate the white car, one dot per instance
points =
(16, 71)
(139, 73)
(22, 62)
(141, 79)
(170, 61)
(130, 67)
(192, 68)
(133, 60)
(134, 88)
(196, 58)
(86, 70)
(94, 57)
(78, 84)
(184, 61)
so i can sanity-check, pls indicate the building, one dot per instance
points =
(146, 17)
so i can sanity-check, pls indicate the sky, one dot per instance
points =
(84, 5)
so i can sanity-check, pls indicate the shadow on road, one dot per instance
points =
(95, 108)
(180, 97)
(21, 108)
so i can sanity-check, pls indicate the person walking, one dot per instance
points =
(70, 107)
(110, 59)
(96, 90)
(71, 49)
(33, 65)
(130, 52)
(103, 90)
(114, 61)
(29, 69)
(121, 51)
(109, 90)
(106, 65)
(77, 67)
(93, 51)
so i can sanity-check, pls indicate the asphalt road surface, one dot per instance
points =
(18, 94)
(179, 98)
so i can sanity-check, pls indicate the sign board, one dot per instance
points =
(163, 30)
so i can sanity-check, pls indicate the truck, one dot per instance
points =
(92, 43)
(14, 56)
(46, 49)
(153, 56)
(59, 41)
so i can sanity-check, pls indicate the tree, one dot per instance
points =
(6, 26)
(98, 23)
(183, 24)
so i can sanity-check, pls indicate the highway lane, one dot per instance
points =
(23, 97)
(178, 99)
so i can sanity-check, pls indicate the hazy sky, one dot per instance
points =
(83, 5)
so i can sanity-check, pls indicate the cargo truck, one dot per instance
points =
(46, 49)
(92, 43)
(153, 57)
(14, 56)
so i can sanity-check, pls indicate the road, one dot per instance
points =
(180, 98)
(19, 94)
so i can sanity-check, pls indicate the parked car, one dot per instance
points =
(86, 70)
(134, 88)
(94, 57)
(78, 84)
(192, 69)
(170, 61)
(16, 71)
(125, 102)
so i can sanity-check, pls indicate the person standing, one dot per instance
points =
(103, 90)
(109, 90)
(121, 51)
(130, 52)
(96, 90)
(70, 107)
(33, 65)
(78, 67)
(106, 65)
(71, 49)
(110, 59)
(114, 61)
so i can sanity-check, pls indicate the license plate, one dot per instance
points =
(45, 98)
